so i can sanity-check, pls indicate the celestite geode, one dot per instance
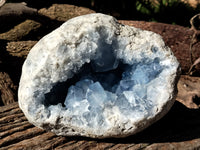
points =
(98, 78)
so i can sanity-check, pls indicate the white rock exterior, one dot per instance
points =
(145, 93)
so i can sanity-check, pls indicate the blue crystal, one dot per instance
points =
(105, 59)
(74, 94)
(96, 95)
(111, 97)
(84, 84)
(94, 117)
(75, 101)
(123, 104)
(130, 96)
(99, 90)
(144, 73)
(128, 73)
(125, 85)
(107, 80)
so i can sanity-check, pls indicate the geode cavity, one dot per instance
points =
(98, 78)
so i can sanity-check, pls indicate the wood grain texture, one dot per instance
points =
(7, 89)
(17, 133)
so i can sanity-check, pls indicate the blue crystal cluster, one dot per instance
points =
(89, 97)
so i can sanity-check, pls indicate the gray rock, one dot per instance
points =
(64, 85)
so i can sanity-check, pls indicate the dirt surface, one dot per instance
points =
(179, 129)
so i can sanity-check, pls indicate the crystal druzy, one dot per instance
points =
(98, 78)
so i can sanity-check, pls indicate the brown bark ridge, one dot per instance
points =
(189, 91)
(64, 12)
(21, 31)
(179, 129)
(20, 48)
(16, 9)
(14, 12)
(7, 89)
(2, 2)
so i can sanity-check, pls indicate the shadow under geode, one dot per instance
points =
(180, 124)
(10, 64)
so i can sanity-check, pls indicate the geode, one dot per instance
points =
(98, 78)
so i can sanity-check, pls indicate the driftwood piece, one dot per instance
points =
(179, 129)
(14, 13)
(64, 12)
(20, 48)
(22, 31)
(7, 89)
(189, 91)
(16, 9)
(2, 2)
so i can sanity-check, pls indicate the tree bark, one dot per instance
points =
(2, 2)
(7, 89)
(12, 14)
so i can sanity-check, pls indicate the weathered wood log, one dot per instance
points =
(2, 2)
(20, 48)
(189, 91)
(179, 129)
(7, 89)
(16, 9)
(14, 12)
(22, 31)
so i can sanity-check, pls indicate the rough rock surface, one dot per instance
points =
(178, 38)
(63, 53)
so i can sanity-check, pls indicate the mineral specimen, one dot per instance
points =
(98, 78)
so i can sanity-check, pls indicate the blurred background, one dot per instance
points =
(166, 11)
